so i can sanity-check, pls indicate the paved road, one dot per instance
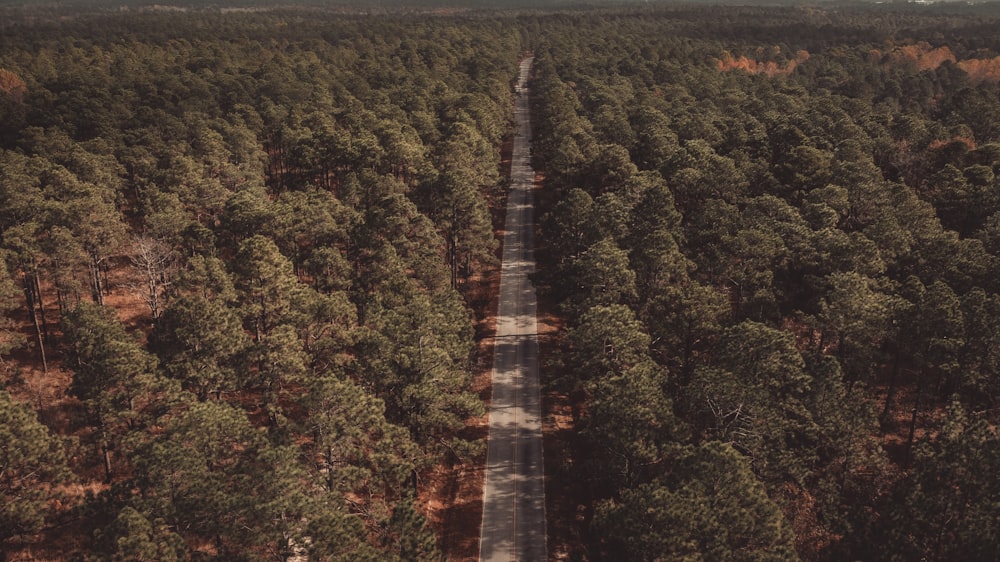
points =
(514, 491)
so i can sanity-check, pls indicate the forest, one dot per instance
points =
(247, 258)
(772, 237)
(240, 257)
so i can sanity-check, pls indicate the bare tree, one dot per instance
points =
(153, 260)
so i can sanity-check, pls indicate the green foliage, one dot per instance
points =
(568, 227)
(707, 506)
(32, 465)
(599, 276)
(417, 358)
(212, 472)
(355, 447)
(856, 313)
(266, 285)
(609, 339)
(762, 219)
(630, 423)
(199, 342)
(133, 537)
(755, 398)
(408, 536)
(9, 337)
(113, 375)
(755, 228)
(320, 186)
(946, 509)
(207, 275)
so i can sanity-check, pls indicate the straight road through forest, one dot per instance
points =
(514, 491)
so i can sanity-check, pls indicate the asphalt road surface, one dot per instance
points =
(514, 491)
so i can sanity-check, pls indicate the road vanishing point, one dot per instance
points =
(513, 526)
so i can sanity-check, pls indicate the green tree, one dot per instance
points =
(395, 244)
(462, 217)
(305, 222)
(408, 536)
(215, 478)
(112, 375)
(32, 465)
(933, 330)
(10, 339)
(608, 339)
(199, 342)
(25, 210)
(684, 320)
(88, 211)
(655, 253)
(266, 284)
(355, 447)
(856, 315)
(629, 421)
(133, 537)
(601, 275)
(329, 269)
(755, 396)
(417, 358)
(630, 424)
(980, 356)
(701, 174)
(328, 329)
(850, 472)
(281, 360)
(756, 253)
(568, 228)
(247, 213)
(708, 506)
(945, 509)
(656, 143)
(455, 199)
(208, 277)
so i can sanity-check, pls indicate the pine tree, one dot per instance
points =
(32, 465)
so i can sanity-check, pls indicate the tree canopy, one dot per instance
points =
(244, 254)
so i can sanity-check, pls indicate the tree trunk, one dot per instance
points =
(890, 393)
(41, 306)
(60, 291)
(153, 293)
(687, 356)
(104, 268)
(453, 258)
(331, 480)
(96, 289)
(29, 299)
(735, 299)
(60, 300)
(106, 453)
(916, 411)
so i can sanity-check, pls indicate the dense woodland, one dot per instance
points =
(242, 253)
(773, 236)
(247, 241)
